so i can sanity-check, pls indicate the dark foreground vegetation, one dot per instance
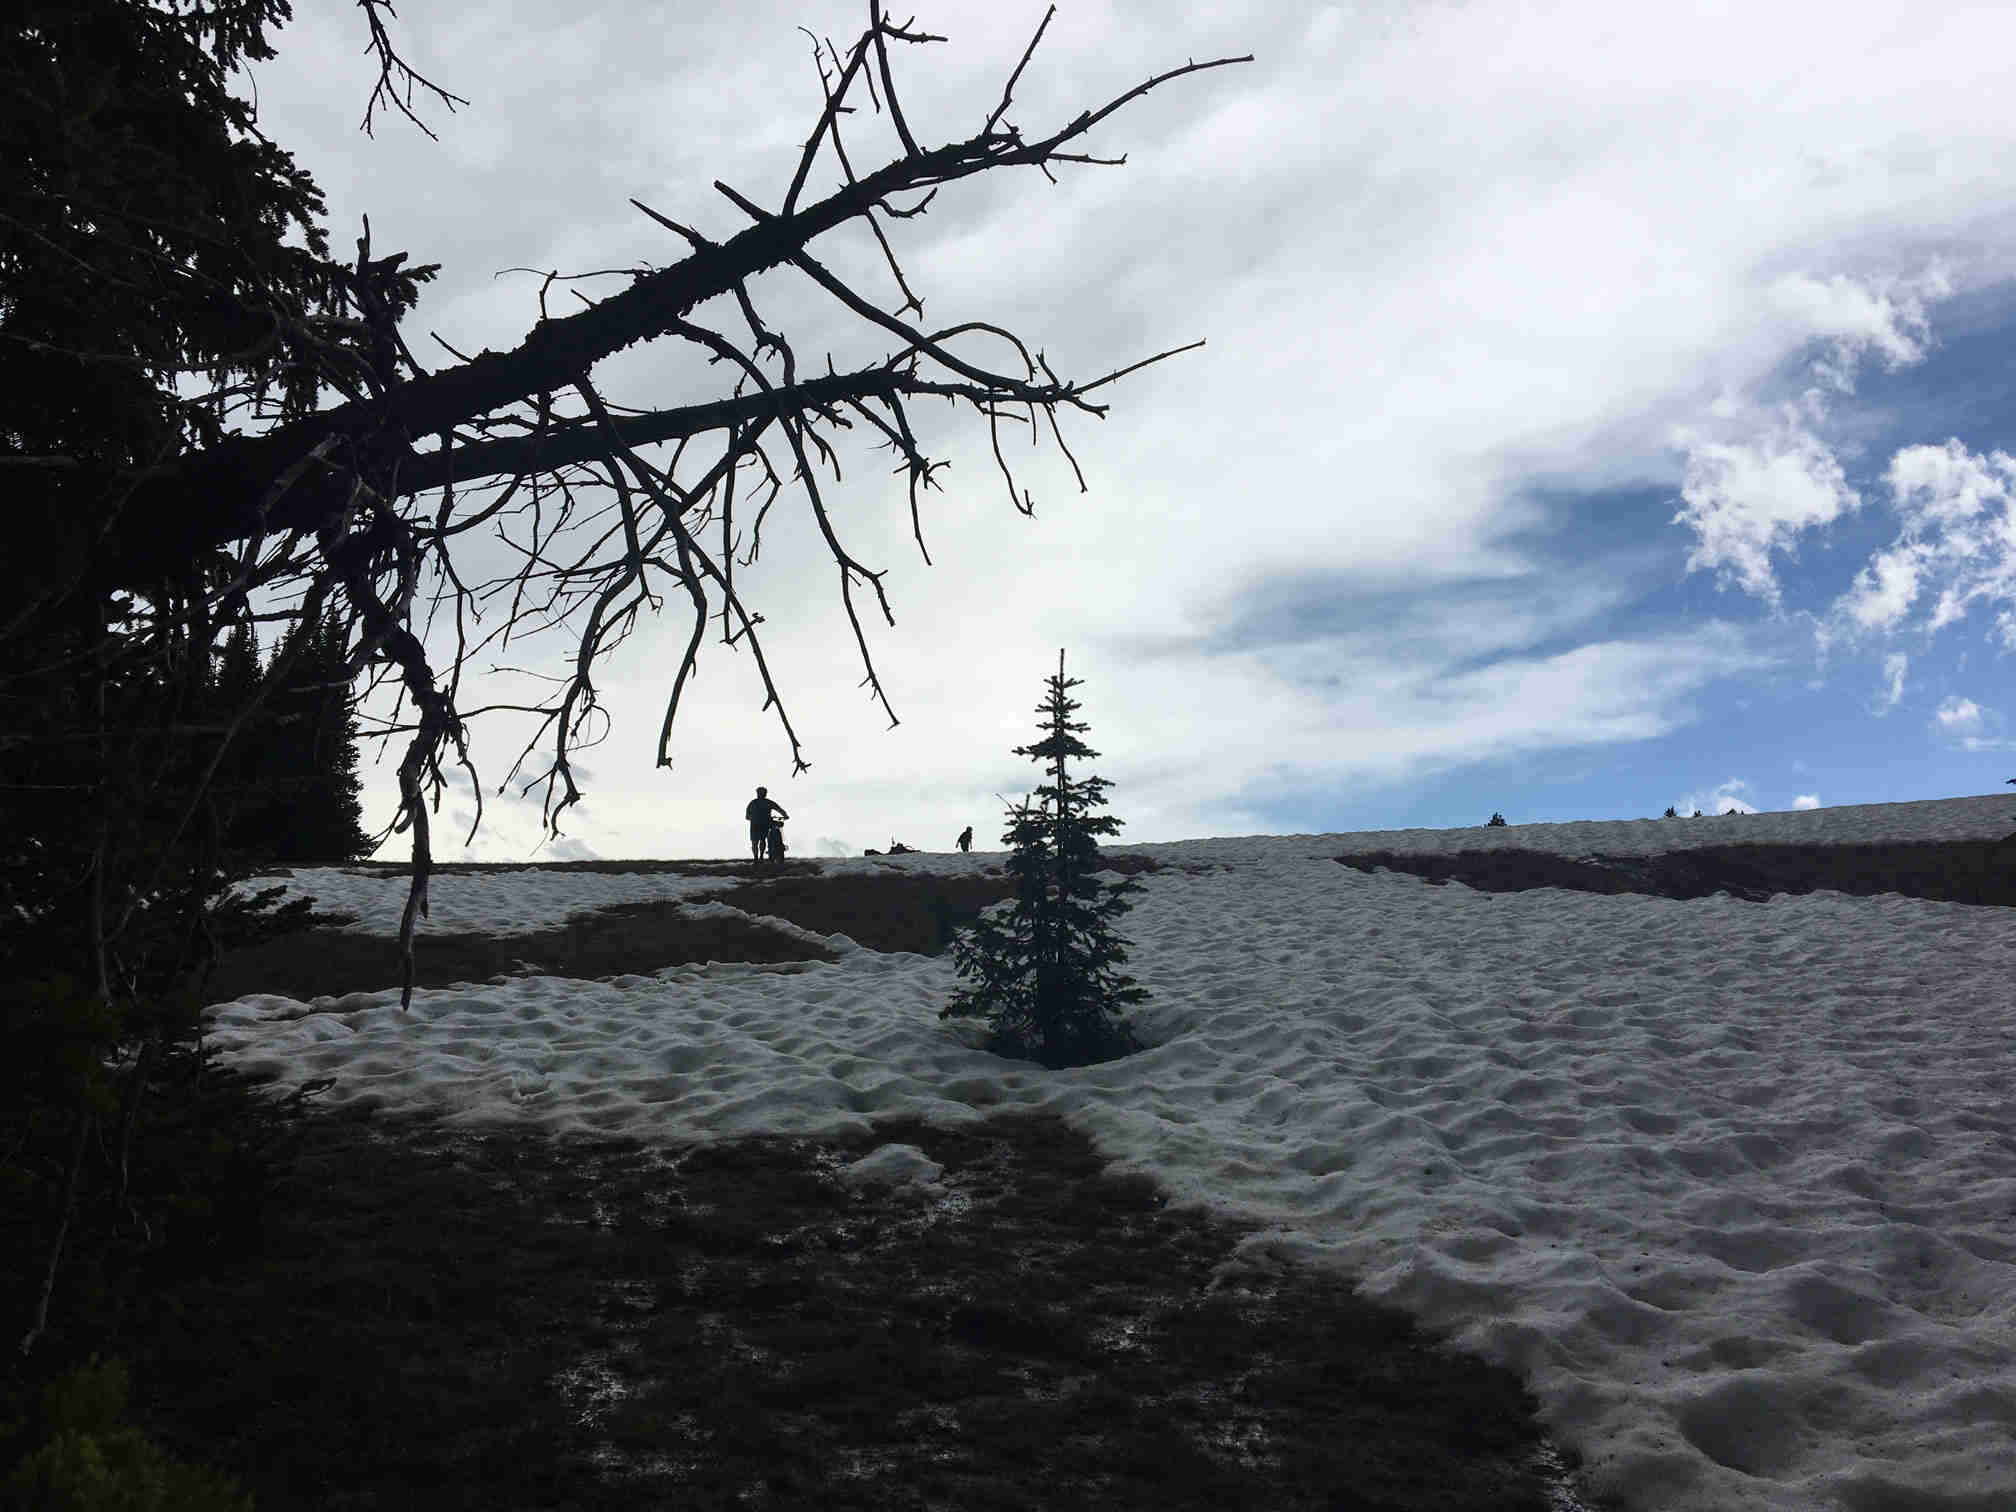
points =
(451, 1319)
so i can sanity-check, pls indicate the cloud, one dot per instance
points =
(1958, 716)
(1895, 665)
(1806, 801)
(1724, 796)
(1859, 315)
(1937, 487)
(1747, 499)
(1883, 591)
(826, 845)
(1363, 710)
(1948, 490)
(1747, 496)
(1955, 545)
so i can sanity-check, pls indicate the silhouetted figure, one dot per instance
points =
(966, 838)
(871, 853)
(898, 848)
(758, 813)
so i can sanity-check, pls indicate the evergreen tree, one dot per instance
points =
(237, 677)
(147, 228)
(149, 232)
(339, 790)
(237, 667)
(1046, 972)
(299, 785)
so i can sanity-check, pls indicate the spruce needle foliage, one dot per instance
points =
(1046, 970)
(302, 759)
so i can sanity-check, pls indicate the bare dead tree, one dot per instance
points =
(529, 432)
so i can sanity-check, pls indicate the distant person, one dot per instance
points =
(966, 838)
(898, 848)
(758, 813)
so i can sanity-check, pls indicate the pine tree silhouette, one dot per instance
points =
(338, 789)
(235, 681)
(1046, 971)
(299, 785)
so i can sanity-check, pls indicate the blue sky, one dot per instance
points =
(1600, 409)
(1837, 713)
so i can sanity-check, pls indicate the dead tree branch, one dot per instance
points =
(388, 90)
(532, 427)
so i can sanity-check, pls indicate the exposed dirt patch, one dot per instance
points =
(1959, 871)
(629, 938)
(895, 911)
(725, 866)
(892, 910)
(455, 1319)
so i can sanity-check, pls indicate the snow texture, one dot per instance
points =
(1732, 1184)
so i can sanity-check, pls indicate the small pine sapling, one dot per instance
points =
(1046, 970)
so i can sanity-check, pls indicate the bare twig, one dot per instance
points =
(1008, 89)
(390, 63)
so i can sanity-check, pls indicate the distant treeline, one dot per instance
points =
(288, 788)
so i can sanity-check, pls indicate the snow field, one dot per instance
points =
(1733, 1185)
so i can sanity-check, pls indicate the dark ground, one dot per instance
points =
(445, 1318)
(1963, 871)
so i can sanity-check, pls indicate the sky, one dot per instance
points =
(1600, 407)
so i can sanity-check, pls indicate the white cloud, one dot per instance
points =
(1883, 591)
(1955, 543)
(1746, 500)
(1724, 796)
(1806, 801)
(1390, 718)
(1895, 666)
(1857, 315)
(1957, 716)
(1936, 487)
(1759, 481)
